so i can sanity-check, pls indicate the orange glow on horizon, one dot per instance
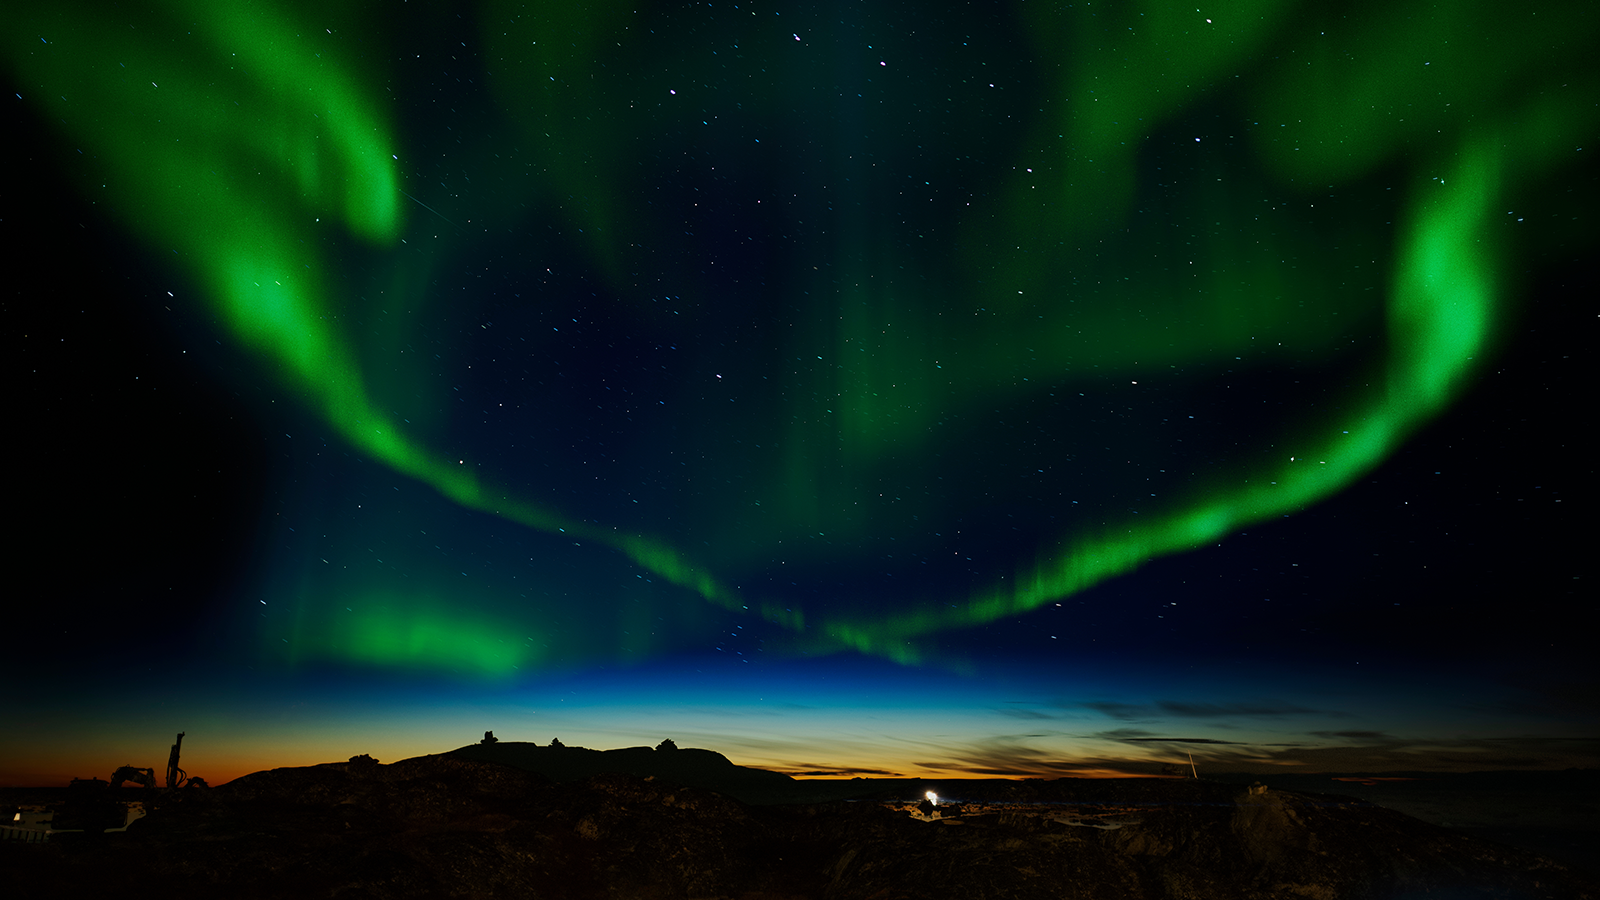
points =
(58, 770)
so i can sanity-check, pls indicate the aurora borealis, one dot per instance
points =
(983, 375)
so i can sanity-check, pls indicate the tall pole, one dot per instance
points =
(174, 774)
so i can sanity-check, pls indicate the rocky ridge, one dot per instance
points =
(444, 826)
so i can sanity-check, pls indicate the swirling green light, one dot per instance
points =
(390, 631)
(1476, 103)
(237, 137)
(246, 139)
(1443, 303)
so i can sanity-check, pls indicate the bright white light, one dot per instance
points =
(933, 798)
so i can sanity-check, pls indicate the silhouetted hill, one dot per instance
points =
(706, 769)
(448, 826)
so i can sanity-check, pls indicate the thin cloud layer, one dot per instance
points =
(1159, 709)
(1015, 758)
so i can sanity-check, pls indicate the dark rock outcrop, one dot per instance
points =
(692, 767)
(447, 826)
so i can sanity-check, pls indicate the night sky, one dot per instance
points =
(852, 388)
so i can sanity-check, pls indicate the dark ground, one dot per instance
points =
(1556, 814)
(444, 826)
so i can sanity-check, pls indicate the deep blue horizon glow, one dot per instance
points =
(841, 718)
(577, 345)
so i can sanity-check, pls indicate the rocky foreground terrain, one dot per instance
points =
(448, 826)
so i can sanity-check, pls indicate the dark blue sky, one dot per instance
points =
(845, 390)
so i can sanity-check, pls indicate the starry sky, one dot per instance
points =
(856, 389)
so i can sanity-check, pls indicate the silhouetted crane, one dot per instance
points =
(175, 776)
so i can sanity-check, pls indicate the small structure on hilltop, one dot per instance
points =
(489, 738)
(556, 742)
(667, 745)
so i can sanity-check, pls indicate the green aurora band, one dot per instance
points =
(248, 140)
(221, 143)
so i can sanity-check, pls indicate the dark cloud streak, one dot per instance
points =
(1265, 709)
